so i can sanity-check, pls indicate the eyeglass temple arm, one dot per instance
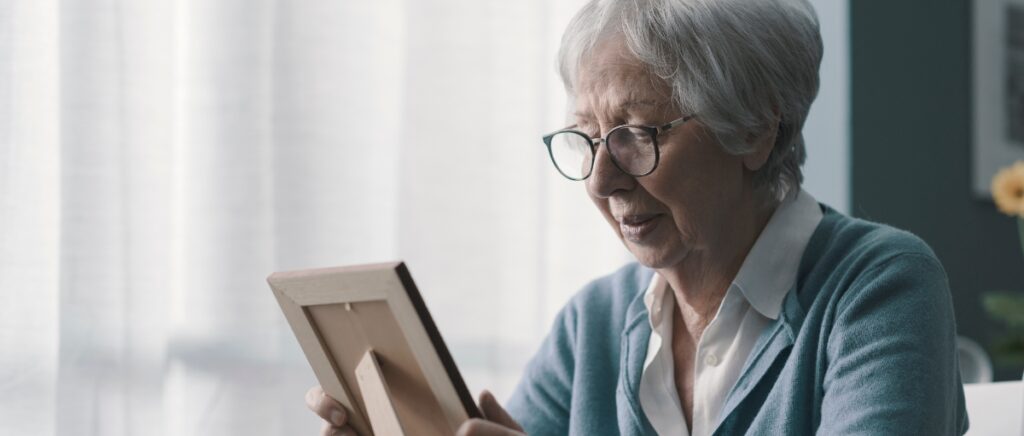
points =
(676, 123)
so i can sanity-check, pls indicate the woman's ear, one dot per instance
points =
(763, 143)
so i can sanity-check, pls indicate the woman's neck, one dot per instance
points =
(699, 282)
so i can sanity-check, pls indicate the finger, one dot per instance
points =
(347, 431)
(479, 427)
(327, 429)
(493, 411)
(330, 430)
(313, 397)
(326, 407)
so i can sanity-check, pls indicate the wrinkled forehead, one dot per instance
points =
(609, 61)
(611, 78)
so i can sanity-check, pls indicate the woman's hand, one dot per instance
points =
(496, 422)
(333, 413)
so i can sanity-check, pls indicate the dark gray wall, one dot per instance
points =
(910, 148)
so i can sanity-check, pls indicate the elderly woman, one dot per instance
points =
(753, 309)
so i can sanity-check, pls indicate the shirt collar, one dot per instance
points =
(770, 268)
(654, 299)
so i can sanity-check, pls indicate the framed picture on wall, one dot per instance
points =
(998, 89)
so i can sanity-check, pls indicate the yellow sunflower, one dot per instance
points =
(1008, 189)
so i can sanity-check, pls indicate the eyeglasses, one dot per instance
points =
(633, 149)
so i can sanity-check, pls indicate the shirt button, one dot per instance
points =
(711, 360)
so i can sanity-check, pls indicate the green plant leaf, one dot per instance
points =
(1005, 307)
(1008, 350)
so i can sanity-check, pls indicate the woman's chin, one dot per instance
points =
(653, 251)
(655, 257)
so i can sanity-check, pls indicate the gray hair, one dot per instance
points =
(740, 65)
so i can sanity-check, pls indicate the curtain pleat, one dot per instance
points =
(29, 216)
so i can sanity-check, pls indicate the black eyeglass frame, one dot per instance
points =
(654, 131)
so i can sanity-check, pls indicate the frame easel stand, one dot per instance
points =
(377, 397)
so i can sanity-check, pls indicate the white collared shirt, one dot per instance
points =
(750, 304)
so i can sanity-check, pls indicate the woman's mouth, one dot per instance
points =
(636, 227)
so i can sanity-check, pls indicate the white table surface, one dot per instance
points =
(995, 409)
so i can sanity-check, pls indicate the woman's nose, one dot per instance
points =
(606, 178)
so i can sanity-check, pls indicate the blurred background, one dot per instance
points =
(158, 159)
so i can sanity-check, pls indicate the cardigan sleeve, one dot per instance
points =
(541, 401)
(892, 361)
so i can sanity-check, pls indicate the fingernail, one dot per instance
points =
(337, 418)
(309, 397)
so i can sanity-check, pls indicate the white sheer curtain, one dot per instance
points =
(159, 159)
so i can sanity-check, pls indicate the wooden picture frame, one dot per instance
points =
(373, 346)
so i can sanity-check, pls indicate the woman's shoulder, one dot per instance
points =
(846, 254)
(845, 243)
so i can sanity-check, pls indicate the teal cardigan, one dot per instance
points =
(865, 344)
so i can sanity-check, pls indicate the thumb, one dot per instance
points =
(495, 413)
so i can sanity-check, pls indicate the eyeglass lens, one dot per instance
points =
(632, 149)
(572, 154)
